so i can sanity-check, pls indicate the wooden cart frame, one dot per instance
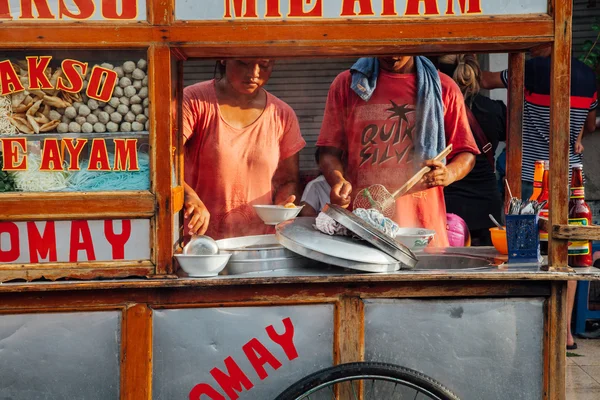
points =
(169, 42)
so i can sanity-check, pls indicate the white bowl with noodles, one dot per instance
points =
(415, 238)
(273, 215)
(202, 266)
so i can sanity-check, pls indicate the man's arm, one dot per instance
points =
(492, 80)
(330, 163)
(590, 121)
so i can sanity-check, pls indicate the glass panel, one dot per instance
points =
(74, 121)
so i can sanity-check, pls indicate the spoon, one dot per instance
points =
(495, 222)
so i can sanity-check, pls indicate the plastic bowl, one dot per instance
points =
(273, 215)
(499, 240)
(415, 238)
(202, 266)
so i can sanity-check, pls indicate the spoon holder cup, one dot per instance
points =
(522, 234)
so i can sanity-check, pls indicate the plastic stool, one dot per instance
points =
(582, 312)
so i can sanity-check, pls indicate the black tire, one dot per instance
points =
(362, 370)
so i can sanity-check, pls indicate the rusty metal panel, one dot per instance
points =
(481, 349)
(190, 343)
(60, 356)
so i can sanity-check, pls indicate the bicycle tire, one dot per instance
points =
(358, 370)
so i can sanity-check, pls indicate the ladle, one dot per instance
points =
(496, 222)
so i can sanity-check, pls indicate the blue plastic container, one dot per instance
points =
(523, 239)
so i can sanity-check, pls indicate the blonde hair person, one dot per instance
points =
(467, 73)
(477, 195)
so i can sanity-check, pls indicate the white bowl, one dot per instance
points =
(415, 238)
(273, 215)
(202, 266)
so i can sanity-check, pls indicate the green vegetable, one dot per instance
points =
(7, 183)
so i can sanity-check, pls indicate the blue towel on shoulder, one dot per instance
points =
(430, 138)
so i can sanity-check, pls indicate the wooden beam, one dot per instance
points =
(161, 12)
(514, 137)
(68, 206)
(136, 353)
(161, 160)
(88, 271)
(555, 343)
(560, 129)
(420, 34)
(574, 232)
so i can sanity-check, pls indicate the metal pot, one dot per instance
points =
(258, 253)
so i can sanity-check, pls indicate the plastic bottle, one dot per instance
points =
(544, 195)
(538, 176)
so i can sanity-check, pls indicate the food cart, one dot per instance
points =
(91, 304)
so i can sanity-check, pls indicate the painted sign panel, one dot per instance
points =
(480, 349)
(74, 241)
(238, 352)
(344, 9)
(60, 355)
(72, 10)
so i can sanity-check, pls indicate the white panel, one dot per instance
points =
(135, 246)
(71, 5)
(331, 9)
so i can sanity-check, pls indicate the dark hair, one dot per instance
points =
(221, 68)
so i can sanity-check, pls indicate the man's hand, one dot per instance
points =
(440, 175)
(578, 147)
(196, 213)
(340, 193)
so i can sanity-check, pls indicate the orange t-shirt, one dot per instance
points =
(377, 136)
(229, 168)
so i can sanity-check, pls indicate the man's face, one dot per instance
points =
(395, 63)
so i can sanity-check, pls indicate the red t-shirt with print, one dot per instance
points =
(377, 136)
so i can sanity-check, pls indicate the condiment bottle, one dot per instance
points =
(580, 252)
(544, 195)
(538, 176)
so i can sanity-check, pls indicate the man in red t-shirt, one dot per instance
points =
(377, 137)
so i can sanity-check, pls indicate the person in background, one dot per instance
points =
(316, 194)
(536, 126)
(476, 196)
(390, 116)
(241, 147)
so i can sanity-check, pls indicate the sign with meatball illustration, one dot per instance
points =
(65, 123)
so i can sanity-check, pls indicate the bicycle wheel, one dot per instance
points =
(367, 381)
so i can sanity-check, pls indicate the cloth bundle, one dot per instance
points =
(327, 225)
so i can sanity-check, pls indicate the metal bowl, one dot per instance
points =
(258, 253)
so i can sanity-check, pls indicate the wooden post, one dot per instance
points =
(560, 129)
(136, 353)
(161, 160)
(350, 339)
(514, 137)
(555, 342)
